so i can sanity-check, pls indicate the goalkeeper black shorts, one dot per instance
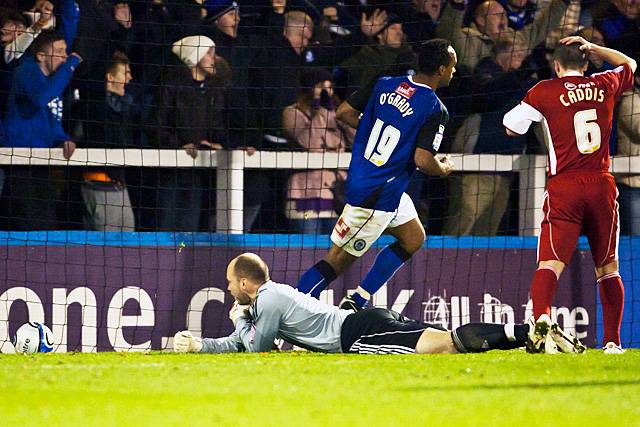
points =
(381, 331)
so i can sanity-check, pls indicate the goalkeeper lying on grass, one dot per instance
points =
(265, 310)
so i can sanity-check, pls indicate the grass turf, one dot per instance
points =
(304, 389)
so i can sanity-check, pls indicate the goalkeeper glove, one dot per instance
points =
(238, 311)
(184, 342)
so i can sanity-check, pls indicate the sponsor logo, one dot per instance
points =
(437, 141)
(570, 86)
(341, 228)
(406, 90)
(359, 244)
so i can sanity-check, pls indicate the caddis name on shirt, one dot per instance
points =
(399, 98)
(581, 92)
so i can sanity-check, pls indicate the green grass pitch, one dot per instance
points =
(304, 389)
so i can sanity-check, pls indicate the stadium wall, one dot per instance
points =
(133, 291)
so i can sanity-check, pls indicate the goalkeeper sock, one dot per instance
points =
(543, 289)
(316, 279)
(388, 261)
(612, 300)
(479, 337)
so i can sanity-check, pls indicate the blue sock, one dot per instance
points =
(359, 300)
(316, 279)
(388, 261)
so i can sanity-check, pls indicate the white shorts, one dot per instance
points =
(357, 228)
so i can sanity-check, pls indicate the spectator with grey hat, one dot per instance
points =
(190, 115)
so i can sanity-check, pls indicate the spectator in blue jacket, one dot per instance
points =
(34, 120)
(35, 104)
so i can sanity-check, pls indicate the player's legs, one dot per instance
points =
(435, 341)
(559, 233)
(410, 233)
(317, 278)
(602, 229)
(612, 300)
(383, 331)
(354, 233)
(481, 337)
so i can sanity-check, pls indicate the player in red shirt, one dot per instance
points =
(576, 114)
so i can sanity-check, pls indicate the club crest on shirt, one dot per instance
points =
(406, 90)
(359, 244)
(341, 228)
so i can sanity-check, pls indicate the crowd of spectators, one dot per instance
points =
(253, 75)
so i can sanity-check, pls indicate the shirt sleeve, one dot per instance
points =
(431, 132)
(228, 344)
(258, 334)
(618, 80)
(360, 98)
(520, 117)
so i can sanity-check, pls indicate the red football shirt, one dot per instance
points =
(576, 114)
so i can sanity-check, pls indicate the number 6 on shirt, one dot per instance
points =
(587, 131)
(379, 148)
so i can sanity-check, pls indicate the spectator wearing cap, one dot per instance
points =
(490, 22)
(241, 51)
(190, 115)
(372, 60)
(311, 123)
(628, 125)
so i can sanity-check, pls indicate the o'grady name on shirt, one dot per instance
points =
(399, 98)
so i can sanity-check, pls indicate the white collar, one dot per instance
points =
(418, 84)
(572, 73)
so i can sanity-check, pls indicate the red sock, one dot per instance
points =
(612, 300)
(543, 289)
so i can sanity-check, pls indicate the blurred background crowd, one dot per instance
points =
(254, 75)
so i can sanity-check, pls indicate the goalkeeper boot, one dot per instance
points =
(566, 342)
(348, 303)
(612, 348)
(539, 339)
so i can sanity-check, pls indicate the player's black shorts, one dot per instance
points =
(381, 331)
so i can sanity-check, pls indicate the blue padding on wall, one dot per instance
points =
(97, 238)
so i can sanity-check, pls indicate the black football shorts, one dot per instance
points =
(381, 331)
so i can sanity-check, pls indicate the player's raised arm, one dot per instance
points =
(612, 56)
